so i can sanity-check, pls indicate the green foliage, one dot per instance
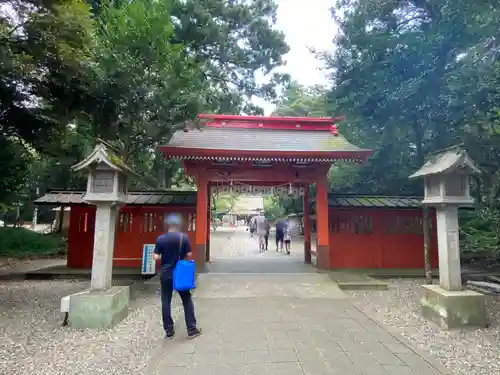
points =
(43, 48)
(414, 77)
(14, 169)
(233, 40)
(273, 208)
(144, 86)
(223, 203)
(301, 101)
(23, 243)
(129, 72)
(393, 67)
(480, 233)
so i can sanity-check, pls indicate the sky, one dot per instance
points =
(305, 23)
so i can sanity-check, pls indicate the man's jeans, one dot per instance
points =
(167, 289)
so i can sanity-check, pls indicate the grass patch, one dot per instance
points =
(22, 243)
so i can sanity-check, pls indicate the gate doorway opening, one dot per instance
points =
(233, 247)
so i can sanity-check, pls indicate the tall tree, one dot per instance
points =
(43, 47)
(144, 84)
(392, 67)
(298, 100)
(234, 40)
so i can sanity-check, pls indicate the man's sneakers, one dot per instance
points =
(170, 334)
(194, 333)
(191, 334)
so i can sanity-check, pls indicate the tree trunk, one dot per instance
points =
(61, 219)
(427, 253)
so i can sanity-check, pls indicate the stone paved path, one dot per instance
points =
(295, 323)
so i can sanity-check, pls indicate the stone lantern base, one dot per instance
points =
(99, 309)
(453, 309)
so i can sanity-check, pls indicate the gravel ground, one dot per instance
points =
(8, 265)
(466, 352)
(33, 341)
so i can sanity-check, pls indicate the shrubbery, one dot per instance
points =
(23, 243)
(480, 236)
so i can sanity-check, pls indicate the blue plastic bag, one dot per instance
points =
(184, 275)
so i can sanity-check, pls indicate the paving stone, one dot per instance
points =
(216, 369)
(343, 368)
(349, 345)
(337, 359)
(384, 356)
(257, 356)
(375, 369)
(290, 368)
(315, 368)
(308, 355)
(283, 355)
(172, 371)
(233, 358)
(257, 369)
(362, 360)
(419, 365)
(279, 343)
(176, 360)
(277, 333)
(397, 347)
(398, 370)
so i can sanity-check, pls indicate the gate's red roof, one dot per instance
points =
(256, 136)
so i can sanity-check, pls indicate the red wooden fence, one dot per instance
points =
(379, 238)
(359, 238)
(135, 227)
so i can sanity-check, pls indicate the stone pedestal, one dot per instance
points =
(448, 247)
(99, 309)
(104, 242)
(453, 309)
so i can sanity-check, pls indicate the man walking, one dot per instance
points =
(260, 223)
(266, 237)
(171, 247)
(280, 228)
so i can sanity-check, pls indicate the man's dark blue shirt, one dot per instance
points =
(171, 249)
(280, 226)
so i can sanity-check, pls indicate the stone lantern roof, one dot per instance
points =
(103, 153)
(446, 161)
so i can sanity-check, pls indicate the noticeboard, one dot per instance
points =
(148, 263)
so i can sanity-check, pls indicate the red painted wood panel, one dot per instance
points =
(135, 227)
(81, 236)
(379, 238)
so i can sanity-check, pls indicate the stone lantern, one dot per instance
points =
(446, 178)
(102, 305)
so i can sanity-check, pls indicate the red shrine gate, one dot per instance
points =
(263, 151)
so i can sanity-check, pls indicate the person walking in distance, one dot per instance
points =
(287, 237)
(266, 236)
(280, 227)
(171, 247)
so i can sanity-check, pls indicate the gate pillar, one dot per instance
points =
(201, 223)
(307, 226)
(322, 246)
